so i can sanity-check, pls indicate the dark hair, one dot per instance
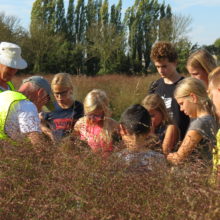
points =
(136, 119)
(163, 50)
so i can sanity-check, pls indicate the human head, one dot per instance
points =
(96, 103)
(200, 64)
(10, 60)
(164, 56)
(37, 89)
(62, 88)
(136, 120)
(194, 92)
(214, 88)
(157, 109)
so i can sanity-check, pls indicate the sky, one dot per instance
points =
(205, 14)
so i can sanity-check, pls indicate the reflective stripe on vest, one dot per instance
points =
(7, 98)
(10, 85)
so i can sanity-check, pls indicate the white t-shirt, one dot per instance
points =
(22, 119)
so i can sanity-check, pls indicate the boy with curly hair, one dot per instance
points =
(164, 57)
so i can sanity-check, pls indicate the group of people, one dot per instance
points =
(180, 114)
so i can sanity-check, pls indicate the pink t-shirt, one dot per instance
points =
(95, 137)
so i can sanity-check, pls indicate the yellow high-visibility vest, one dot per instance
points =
(7, 99)
(11, 86)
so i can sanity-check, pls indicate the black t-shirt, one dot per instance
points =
(61, 121)
(165, 91)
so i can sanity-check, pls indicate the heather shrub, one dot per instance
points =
(67, 181)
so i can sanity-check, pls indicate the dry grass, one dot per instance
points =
(68, 182)
(122, 90)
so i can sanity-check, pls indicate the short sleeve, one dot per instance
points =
(28, 118)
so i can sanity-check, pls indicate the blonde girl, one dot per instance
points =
(96, 127)
(193, 99)
(162, 126)
(59, 123)
(200, 64)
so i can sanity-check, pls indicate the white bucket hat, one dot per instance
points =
(10, 55)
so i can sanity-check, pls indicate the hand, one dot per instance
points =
(173, 158)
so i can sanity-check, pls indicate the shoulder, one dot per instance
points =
(206, 126)
(25, 106)
(112, 123)
(77, 103)
(154, 85)
(80, 122)
(201, 121)
(78, 107)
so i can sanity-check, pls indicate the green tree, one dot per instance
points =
(80, 22)
(142, 21)
(104, 13)
(60, 21)
(104, 43)
(70, 19)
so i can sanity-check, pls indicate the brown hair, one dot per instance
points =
(155, 102)
(163, 50)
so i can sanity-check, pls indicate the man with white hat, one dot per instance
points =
(10, 62)
(19, 110)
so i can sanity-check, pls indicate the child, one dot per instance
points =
(164, 57)
(200, 64)
(59, 123)
(96, 127)
(214, 91)
(135, 125)
(192, 97)
(162, 125)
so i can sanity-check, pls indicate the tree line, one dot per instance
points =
(94, 37)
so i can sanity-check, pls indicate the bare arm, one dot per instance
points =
(45, 128)
(36, 138)
(171, 138)
(189, 143)
(47, 131)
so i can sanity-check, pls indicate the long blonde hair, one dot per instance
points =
(96, 99)
(192, 85)
(202, 59)
(155, 102)
(214, 77)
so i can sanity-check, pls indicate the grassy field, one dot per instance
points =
(69, 182)
(122, 90)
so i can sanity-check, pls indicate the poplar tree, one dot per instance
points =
(142, 21)
(70, 19)
(60, 21)
(91, 13)
(104, 13)
(80, 21)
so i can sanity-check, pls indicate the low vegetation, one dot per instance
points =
(69, 182)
